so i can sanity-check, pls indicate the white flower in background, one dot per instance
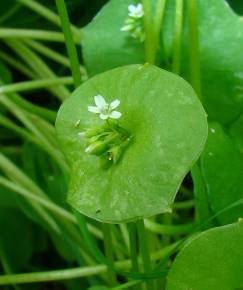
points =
(134, 23)
(104, 109)
(135, 11)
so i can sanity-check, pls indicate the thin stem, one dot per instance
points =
(53, 55)
(147, 265)
(176, 62)
(33, 108)
(169, 229)
(71, 50)
(128, 285)
(148, 24)
(152, 28)
(9, 13)
(184, 204)
(48, 52)
(48, 204)
(16, 64)
(73, 273)
(5, 264)
(38, 66)
(158, 20)
(133, 247)
(109, 252)
(48, 14)
(38, 84)
(31, 33)
(194, 47)
(24, 118)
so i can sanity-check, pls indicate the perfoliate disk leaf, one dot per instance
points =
(168, 127)
(222, 169)
(209, 261)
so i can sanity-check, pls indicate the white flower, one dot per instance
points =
(104, 109)
(135, 11)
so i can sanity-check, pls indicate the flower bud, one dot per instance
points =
(115, 154)
(96, 148)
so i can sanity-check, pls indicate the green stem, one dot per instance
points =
(184, 204)
(178, 24)
(109, 253)
(33, 108)
(9, 13)
(16, 64)
(152, 28)
(23, 117)
(128, 285)
(158, 20)
(148, 25)
(71, 50)
(147, 265)
(37, 65)
(36, 84)
(53, 55)
(169, 229)
(133, 247)
(31, 33)
(48, 204)
(48, 14)
(6, 266)
(79, 272)
(194, 47)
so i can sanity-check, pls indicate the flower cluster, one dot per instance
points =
(134, 23)
(109, 140)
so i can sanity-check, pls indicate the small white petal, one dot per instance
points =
(93, 109)
(115, 115)
(132, 8)
(104, 117)
(114, 104)
(100, 102)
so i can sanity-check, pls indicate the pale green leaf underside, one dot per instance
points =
(169, 127)
(211, 260)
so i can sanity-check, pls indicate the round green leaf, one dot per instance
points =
(209, 261)
(169, 130)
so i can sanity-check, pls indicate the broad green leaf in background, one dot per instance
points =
(210, 260)
(221, 59)
(169, 130)
(16, 238)
(222, 169)
(105, 46)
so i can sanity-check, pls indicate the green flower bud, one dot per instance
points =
(91, 132)
(115, 154)
(96, 148)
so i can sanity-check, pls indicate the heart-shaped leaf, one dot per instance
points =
(209, 261)
(168, 128)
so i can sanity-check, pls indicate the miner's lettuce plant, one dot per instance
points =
(121, 163)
